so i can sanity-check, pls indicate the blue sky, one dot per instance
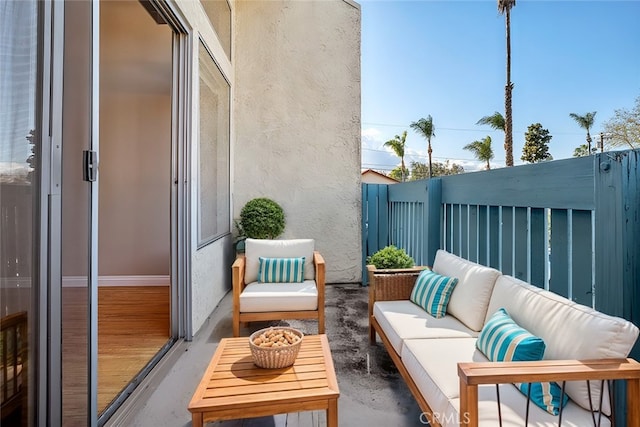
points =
(447, 59)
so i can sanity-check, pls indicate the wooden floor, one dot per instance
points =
(133, 325)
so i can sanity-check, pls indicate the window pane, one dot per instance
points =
(219, 14)
(213, 209)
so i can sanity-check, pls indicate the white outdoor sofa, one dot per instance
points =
(455, 384)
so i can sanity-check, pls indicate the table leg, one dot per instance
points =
(197, 419)
(332, 413)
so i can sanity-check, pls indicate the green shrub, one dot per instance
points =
(261, 218)
(391, 257)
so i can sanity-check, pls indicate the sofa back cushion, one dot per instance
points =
(293, 248)
(570, 330)
(470, 298)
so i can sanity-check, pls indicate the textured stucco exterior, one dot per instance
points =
(295, 130)
(297, 121)
(210, 279)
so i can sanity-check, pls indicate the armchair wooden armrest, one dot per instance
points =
(319, 264)
(237, 279)
(473, 374)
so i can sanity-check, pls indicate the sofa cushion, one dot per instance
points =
(471, 295)
(281, 270)
(502, 340)
(570, 330)
(401, 320)
(432, 292)
(256, 248)
(265, 297)
(433, 366)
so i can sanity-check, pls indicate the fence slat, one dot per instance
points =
(494, 236)
(558, 281)
(506, 264)
(538, 249)
(521, 242)
(582, 259)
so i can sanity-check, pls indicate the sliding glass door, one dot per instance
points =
(78, 207)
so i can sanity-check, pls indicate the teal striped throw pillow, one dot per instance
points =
(281, 270)
(502, 339)
(432, 292)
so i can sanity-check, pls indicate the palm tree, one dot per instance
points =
(425, 128)
(397, 145)
(504, 7)
(585, 122)
(481, 150)
(581, 151)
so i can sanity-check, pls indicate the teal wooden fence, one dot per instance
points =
(570, 226)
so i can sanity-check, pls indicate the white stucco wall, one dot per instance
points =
(210, 265)
(211, 269)
(297, 121)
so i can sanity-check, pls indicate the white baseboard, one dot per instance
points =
(81, 281)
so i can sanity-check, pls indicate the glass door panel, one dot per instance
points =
(77, 240)
(20, 143)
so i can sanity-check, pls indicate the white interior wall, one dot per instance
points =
(135, 142)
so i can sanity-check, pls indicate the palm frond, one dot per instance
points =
(586, 121)
(504, 5)
(424, 127)
(496, 121)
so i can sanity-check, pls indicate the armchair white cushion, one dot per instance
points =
(256, 248)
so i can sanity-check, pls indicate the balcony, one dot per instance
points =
(570, 226)
(387, 401)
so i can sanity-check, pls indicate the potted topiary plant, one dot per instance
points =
(260, 218)
(392, 274)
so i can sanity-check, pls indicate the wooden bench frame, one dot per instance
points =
(14, 335)
(237, 275)
(397, 288)
(473, 374)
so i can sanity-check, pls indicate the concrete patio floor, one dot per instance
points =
(372, 392)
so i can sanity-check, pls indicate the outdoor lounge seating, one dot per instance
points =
(455, 383)
(261, 292)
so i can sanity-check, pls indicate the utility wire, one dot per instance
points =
(422, 156)
(467, 130)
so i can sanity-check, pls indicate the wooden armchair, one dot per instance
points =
(258, 301)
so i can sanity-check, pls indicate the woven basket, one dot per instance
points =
(275, 357)
(389, 285)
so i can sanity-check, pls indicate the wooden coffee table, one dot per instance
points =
(233, 387)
